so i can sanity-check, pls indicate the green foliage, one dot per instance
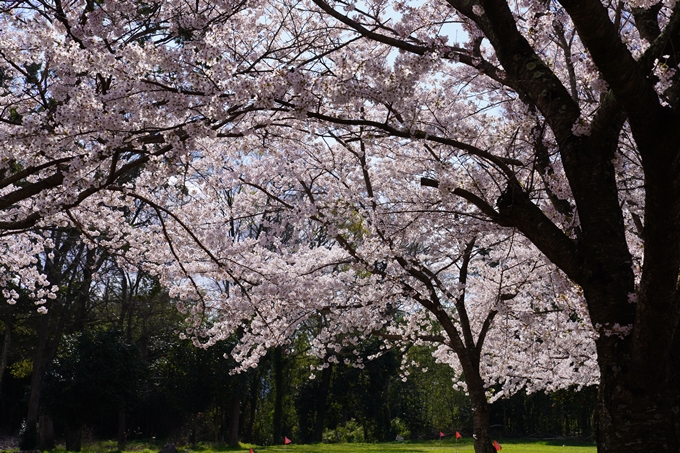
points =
(385, 405)
(561, 413)
(21, 368)
(306, 405)
(15, 117)
(94, 372)
(200, 389)
(441, 407)
(350, 432)
(399, 427)
(194, 377)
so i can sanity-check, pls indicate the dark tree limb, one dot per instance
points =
(615, 62)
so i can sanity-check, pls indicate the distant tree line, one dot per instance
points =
(107, 360)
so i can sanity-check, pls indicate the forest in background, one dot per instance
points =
(110, 362)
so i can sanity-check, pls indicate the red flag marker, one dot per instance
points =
(251, 451)
(286, 440)
(497, 446)
(458, 436)
(441, 434)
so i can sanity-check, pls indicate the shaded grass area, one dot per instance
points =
(447, 446)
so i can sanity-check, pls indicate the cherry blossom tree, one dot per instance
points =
(68, 133)
(376, 152)
(313, 245)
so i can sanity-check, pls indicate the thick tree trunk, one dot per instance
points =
(38, 367)
(638, 405)
(254, 393)
(5, 350)
(322, 398)
(234, 421)
(122, 438)
(638, 408)
(193, 436)
(46, 433)
(278, 396)
(480, 415)
(73, 437)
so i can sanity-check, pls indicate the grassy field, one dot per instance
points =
(509, 446)
(433, 447)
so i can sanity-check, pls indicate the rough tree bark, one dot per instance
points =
(122, 429)
(252, 403)
(46, 432)
(278, 394)
(4, 355)
(234, 421)
(322, 397)
(37, 374)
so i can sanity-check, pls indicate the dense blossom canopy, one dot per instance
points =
(474, 174)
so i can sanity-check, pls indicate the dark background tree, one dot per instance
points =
(188, 395)
(94, 372)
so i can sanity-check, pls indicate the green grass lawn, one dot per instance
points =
(517, 446)
(447, 446)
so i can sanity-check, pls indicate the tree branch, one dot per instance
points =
(523, 66)
(460, 302)
(516, 209)
(500, 162)
(391, 337)
(616, 64)
(647, 22)
(450, 53)
(484, 330)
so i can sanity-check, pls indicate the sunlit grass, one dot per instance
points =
(433, 447)
(446, 446)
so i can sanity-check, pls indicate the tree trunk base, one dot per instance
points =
(73, 438)
(46, 433)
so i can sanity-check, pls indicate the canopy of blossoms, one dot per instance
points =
(494, 177)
